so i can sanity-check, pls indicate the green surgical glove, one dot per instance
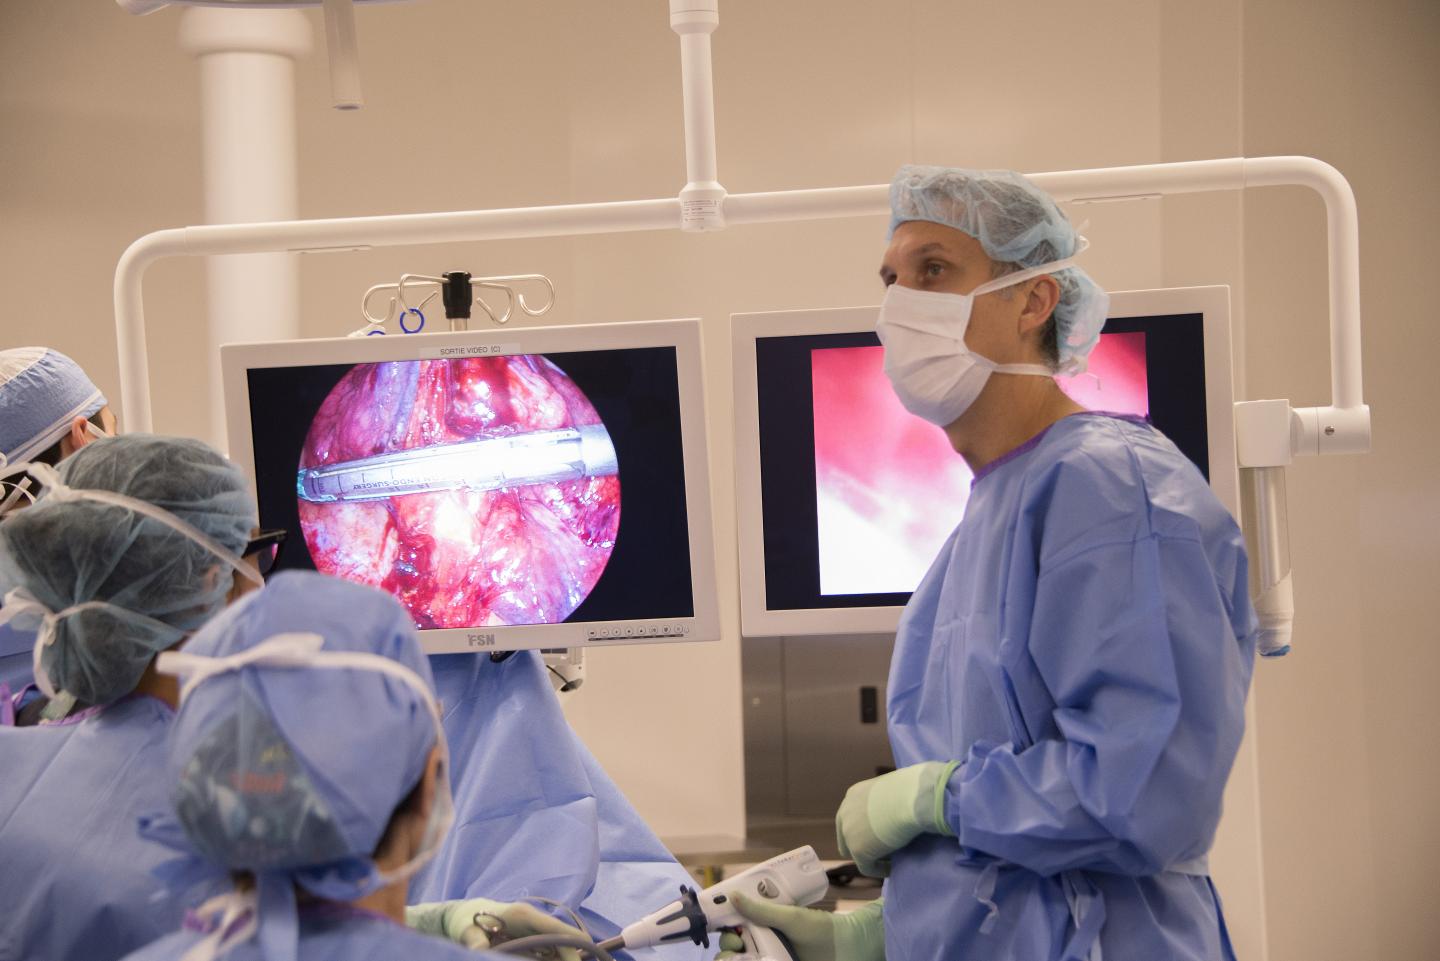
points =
(883, 814)
(457, 921)
(816, 935)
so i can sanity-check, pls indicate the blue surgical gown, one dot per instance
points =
(76, 878)
(328, 932)
(535, 815)
(534, 812)
(1083, 645)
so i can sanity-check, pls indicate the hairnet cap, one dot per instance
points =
(284, 768)
(41, 392)
(155, 583)
(1016, 223)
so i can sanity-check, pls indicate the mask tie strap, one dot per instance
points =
(1020, 276)
(281, 650)
(57, 489)
(237, 923)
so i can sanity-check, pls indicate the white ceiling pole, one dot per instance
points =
(342, 49)
(702, 200)
(247, 85)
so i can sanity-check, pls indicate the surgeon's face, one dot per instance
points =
(937, 258)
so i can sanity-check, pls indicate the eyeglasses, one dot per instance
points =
(265, 548)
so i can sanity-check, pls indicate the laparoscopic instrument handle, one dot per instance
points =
(795, 877)
(762, 942)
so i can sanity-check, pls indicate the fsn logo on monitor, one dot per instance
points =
(480, 640)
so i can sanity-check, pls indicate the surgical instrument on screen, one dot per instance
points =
(795, 877)
(483, 464)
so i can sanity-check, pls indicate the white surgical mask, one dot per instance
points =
(935, 375)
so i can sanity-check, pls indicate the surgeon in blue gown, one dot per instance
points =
(535, 815)
(108, 584)
(1067, 692)
(307, 758)
(48, 410)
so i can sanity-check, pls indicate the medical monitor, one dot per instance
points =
(844, 498)
(543, 488)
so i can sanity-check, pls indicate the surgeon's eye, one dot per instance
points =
(934, 269)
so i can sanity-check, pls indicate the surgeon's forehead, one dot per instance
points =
(919, 239)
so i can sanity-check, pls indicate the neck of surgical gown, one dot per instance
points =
(535, 815)
(328, 932)
(1083, 645)
(76, 879)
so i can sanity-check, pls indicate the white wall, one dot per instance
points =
(512, 103)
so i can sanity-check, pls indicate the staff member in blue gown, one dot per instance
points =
(1068, 686)
(308, 759)
(535, 814)
(134, 544)
(48, 410)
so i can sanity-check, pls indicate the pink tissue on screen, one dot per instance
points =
(889, 487)
(1116, 381)
(461, 558)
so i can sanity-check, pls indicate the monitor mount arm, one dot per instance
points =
(1269, 433)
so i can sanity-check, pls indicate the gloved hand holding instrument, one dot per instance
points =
(480, 924)
(794, 878)
(814, 934)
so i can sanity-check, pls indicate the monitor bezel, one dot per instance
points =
(682, 334)
(756, 619)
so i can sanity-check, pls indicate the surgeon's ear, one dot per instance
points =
(1041, 298)
(74, 438)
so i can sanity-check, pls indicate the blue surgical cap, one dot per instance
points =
(156, 584)
(1016, 223)
(297, 770)
(41, 392)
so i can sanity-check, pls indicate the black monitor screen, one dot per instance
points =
(526, 489)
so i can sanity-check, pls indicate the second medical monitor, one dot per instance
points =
(845, 498)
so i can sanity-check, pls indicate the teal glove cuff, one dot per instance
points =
(941, 824)
(884, 814)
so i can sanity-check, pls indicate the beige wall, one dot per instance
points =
(578, 101)
(1350, 771)
(1349, 775)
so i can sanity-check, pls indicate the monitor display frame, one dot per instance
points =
(757, 619)
(683, 335)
